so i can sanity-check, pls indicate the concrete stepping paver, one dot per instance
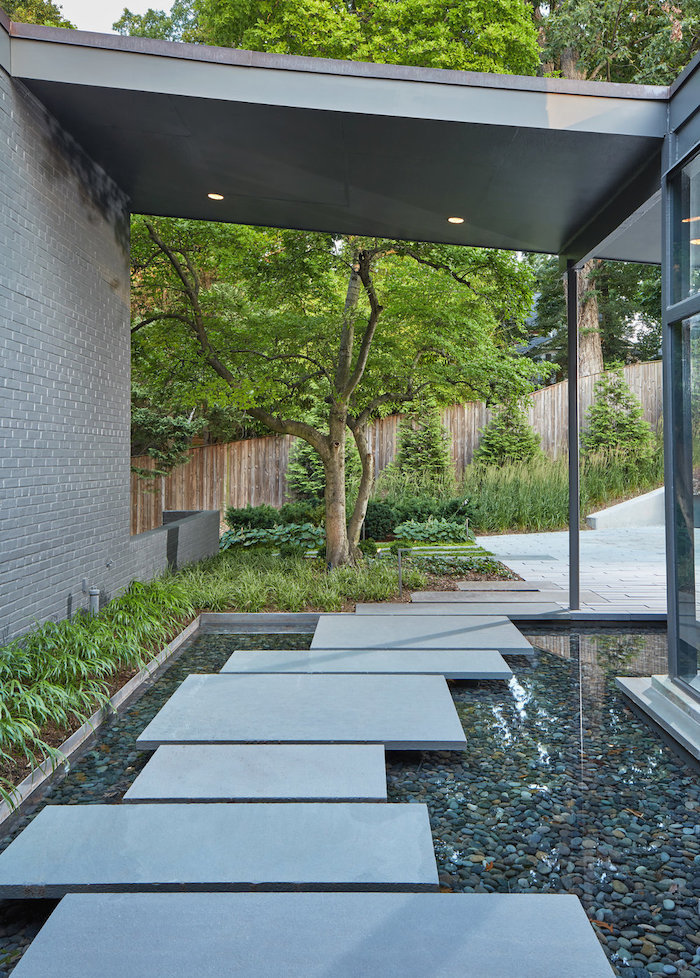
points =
(417, 631)
(497, 598)
(401, 712)
(450, 663)
(507, 585)
(343, 846)
(376, 935)
(508, 609)
(263, 772)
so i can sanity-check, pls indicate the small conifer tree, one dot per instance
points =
(615, 421)
(425, 448)
(508, 438)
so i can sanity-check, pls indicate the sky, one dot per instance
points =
(99, 15)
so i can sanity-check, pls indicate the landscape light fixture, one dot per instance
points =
(456, 220)
(215, 196)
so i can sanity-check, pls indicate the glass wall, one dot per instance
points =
(682, 421)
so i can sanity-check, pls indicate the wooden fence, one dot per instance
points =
(254, 471)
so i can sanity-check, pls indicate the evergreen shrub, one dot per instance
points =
(615, 421)
(252, 517)
(508, 438)
(424, 445)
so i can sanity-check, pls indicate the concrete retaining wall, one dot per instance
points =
(646, 510)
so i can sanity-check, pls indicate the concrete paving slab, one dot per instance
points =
(506, 585)
(418, 631)
(401, 712)
(506, 609)
(496, 598)
(375, 935)
(117, 848)
(263, 772)
(450, 663)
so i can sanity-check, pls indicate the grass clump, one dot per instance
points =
(535, 495)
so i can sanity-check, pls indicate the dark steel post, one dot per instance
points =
(574, 486)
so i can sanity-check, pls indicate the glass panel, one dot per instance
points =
(686, 436)
(686, 232)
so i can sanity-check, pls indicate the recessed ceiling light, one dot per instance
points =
(689, 220)
(215, 196)
(456, 220)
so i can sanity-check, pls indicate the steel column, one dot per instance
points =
(574, 485)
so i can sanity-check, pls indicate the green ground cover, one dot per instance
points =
(53, 678)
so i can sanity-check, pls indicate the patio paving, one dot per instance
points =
(376, 935)
(401, 712)
(415, 631)
(450, 663)
(263, 772)
(118, 848)
(622, 570)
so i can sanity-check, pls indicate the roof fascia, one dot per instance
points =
(5, 25)
(63, 56)
(235, 56)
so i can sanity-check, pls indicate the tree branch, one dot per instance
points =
(365, 274)
(287, 426)
(162, 315)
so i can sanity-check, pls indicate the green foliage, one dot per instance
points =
(645, 43)
(178, 25)
(532, 496)
(629, 307)
(306, 478)
(260, 580)
(251, 517)
(165, 438)
(424, 446)
(302, 512)
(383, 515)
(469, 36)
(368, 547)
(431, 531)
(615, 420)
(59, 673)
(36, 12)
(301, 536)
(480, 561)
(508, 438)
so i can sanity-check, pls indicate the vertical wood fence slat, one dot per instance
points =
(254, 471)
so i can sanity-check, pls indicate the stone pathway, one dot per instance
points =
(622, 570)
(142, 881)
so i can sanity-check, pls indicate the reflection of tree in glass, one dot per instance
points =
(615, 651)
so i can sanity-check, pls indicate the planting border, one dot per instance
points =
(50, 770)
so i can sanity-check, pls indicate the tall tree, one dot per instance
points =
(36, 12)
(621, 41)
(338, 319)
(286, 321)
(629, 309)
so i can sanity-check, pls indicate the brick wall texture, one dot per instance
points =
(64, 378)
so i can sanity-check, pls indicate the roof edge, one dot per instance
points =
(288, 62)
(5, 20)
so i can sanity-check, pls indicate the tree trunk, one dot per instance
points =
(337, 546)
(366, 484)
(590, 349)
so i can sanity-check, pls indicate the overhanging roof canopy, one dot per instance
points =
(529, 163)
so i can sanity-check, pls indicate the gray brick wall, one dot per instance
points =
(64, 376)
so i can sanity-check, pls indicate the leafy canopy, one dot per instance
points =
(36, 12)
(272, 301)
